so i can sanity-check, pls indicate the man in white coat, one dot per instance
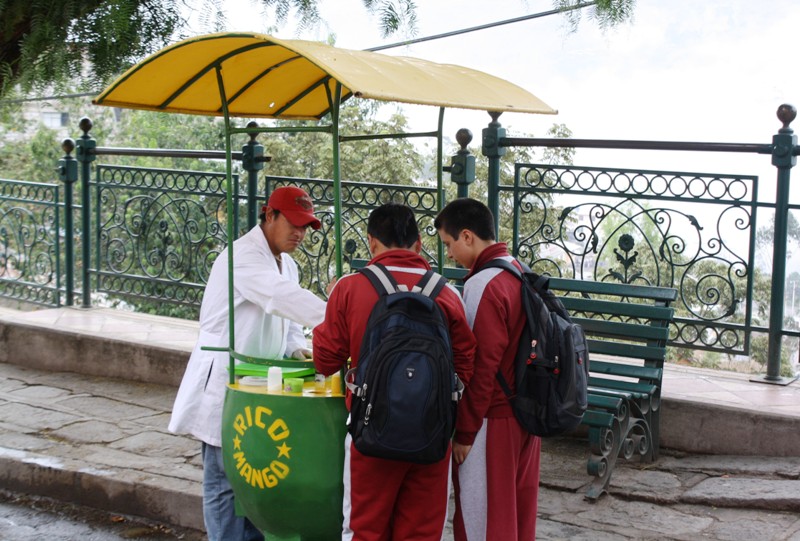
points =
(270, 310)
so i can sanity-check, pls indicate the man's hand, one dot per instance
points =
(460, 452)
(301, 353)
(329, 287)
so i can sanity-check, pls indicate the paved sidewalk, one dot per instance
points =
(97, 442)
(701, 385)
(703, 411)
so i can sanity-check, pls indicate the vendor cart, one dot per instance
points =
(283, 449)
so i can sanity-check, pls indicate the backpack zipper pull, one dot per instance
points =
(366, 415)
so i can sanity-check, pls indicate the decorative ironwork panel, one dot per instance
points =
(316, 257)
(159, 231)
(29, 242)
(691, 231)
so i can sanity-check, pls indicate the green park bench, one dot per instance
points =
(627, 327)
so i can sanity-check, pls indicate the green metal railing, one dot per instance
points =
(158, 231)
(30, 242)
(691, 231)
(708, 286)
(153, 233)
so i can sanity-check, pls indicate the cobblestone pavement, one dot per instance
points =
(103, 443)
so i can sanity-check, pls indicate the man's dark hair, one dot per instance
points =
(394, 225)
(263, 216)
(466, 213)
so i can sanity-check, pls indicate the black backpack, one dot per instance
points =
(552, 362)
(405, 389)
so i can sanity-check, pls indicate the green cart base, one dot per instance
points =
(284, 456)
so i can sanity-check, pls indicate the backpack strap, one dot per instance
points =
(384, 283)
(431, 284)
(380, 278)
(504, 385)
(542, 282)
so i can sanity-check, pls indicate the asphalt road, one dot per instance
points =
(27, 518)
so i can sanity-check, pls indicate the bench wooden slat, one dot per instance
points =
(600, 419)
(619, 394)
(626, 370)
(600, 384)
(454, 273)
(604, 402)
(625, 331)
(622, 309)
(662, 294)
(633, 351)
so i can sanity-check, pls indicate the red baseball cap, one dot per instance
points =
(296, 205)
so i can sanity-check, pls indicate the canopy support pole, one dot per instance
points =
(337, 180)
(440, 183)
(230, 220)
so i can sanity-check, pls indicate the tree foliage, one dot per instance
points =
(46, 42)
(394, 15)
(606, 13)
(85, 43)
(389, 161)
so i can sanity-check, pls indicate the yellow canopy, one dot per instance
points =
(265, 77)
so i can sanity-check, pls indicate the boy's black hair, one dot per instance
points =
(394, 225)
(465, 213)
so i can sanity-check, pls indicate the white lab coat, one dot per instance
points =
(270, 310)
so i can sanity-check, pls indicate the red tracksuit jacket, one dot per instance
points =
(495, 311)
(352, 300)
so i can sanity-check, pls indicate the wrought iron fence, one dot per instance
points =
(30, 258)
(711, 314)
(691, 231)
(158, 231)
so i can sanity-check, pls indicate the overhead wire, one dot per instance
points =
(481, 27)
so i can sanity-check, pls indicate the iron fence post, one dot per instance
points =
(783, 147)
(491, 149)
(462, 165)
(68, 174)
(85, 155)
(252, 152)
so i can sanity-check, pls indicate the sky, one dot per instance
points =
(711, 71)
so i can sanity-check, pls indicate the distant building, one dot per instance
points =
(49, 113)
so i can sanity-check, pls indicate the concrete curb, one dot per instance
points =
(173, 502)
(56, 350)
(694, 427)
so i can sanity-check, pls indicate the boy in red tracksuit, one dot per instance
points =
(389, 499)
(496, 461)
